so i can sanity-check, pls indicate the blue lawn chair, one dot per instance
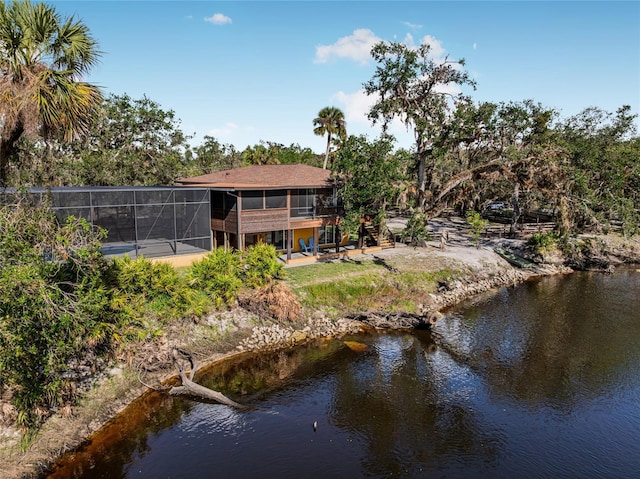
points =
(304, 247)
(311, 244)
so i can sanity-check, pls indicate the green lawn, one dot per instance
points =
(301, 276)
(352, 285)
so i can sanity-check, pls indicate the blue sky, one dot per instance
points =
(246, 71)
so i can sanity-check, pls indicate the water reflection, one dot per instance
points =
(406, 412)
(122, 440)
(551, 342)
(538, 380)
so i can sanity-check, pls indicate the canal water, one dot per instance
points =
(540, 380)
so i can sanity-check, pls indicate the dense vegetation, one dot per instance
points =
(62, 302)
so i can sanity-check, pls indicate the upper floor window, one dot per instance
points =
(303, 202)
(276, 198)
(327, 198)
(252, 200)
(259, 200)
(222, 201)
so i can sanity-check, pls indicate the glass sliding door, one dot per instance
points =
(303, 203)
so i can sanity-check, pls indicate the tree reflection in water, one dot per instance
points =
(538, 380)
(552, 342)
(410, 416)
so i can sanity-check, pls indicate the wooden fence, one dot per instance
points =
(524, 229)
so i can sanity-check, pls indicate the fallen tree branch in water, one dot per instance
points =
(194, 390)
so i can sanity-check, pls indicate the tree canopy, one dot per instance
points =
(369, 178)
(211, 155)
(422, 92)
(465, 153)
(604, 168)
(43, 58)
(132, 142)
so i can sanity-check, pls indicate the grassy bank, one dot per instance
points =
(390, 283)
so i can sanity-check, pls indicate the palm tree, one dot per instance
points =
(265, 153)
(42, 60)
(330, 121)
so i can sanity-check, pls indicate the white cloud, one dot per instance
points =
(218, 19)
(437, 51)
(356, 106)
(475, 46)
(413, 26)
(225, 132)
(408, 41)
(451, 89)
(356, 46)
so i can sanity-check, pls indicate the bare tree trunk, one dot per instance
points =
(192, 389)
(7, 150)
(421, 182)
(426, 169)
(516, 209)
(326, 155)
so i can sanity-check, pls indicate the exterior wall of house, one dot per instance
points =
(227, 221)
(301, 234)
(256, 221)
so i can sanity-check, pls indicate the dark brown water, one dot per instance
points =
(541, 380)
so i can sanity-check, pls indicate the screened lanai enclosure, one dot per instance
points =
(147, 221)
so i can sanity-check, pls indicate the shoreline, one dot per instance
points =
(483, 271)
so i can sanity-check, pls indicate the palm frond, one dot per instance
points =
(42, 60)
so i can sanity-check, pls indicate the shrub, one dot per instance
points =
(219, 274)
(54, 304)
(261, 265)
(415, 231)
(152, 285)
(543, 242)
(478, 225)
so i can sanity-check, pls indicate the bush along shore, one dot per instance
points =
(272, 308)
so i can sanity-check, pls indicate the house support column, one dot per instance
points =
(240, 237)
(289, 244)
(315, 241)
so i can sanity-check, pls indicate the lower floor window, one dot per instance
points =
(327, 235)
(277, 239)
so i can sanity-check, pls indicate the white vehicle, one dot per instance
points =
(497, 205)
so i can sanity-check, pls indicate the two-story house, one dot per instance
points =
(293, 207)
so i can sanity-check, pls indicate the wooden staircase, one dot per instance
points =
(372, 239)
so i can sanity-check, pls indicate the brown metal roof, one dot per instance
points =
(264, 177)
